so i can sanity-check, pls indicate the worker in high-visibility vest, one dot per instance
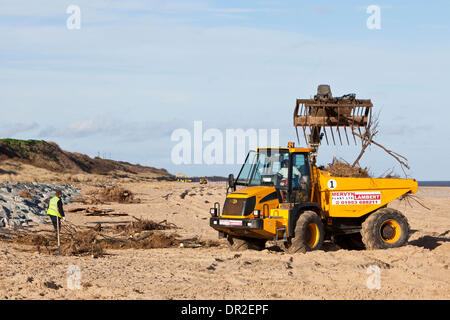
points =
(55, 210)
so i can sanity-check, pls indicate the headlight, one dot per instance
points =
(256, 213)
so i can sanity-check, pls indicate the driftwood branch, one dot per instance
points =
(367, 138)
(409, 196)
(100, 212)
(113, 239)
(393, 154)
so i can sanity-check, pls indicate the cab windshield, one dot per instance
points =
(266, 167)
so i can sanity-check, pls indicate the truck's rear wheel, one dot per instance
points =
(385, 228)
(309, 234)
(240, 244)
(351, 241)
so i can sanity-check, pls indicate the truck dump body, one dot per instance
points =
(356, 197)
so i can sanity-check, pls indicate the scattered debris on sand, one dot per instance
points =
(25, 194)
(87, 200)
(52, 285)
(75, 240)
(144, 225)
(166, 197)
(99, 212)
(111, 194)
(184, 194)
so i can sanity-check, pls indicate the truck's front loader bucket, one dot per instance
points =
(343, 112)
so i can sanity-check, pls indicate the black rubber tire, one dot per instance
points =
(257, 244)
(301, 234)
(371, 234)
(241, 244)
(351, 241)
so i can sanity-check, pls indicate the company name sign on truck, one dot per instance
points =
(356, 197)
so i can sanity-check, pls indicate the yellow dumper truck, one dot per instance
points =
(285, 197)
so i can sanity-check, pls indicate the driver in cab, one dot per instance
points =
(284, 170)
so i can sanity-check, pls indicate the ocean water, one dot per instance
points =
(434, 183)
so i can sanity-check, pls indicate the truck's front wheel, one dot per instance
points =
(240, 244)
(309, 234)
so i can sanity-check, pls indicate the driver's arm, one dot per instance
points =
(284, 173)
(296, 177)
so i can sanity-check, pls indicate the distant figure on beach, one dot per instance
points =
(55, 210)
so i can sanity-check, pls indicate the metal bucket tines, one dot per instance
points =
(334, 114)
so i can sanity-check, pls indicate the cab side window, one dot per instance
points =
(301, 177)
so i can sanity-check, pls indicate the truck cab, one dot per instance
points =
(287, 170)
(272, 183)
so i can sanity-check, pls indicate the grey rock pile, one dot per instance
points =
(33, 209)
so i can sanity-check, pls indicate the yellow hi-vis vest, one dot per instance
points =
(53, 207)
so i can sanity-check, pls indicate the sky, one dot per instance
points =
(136, 71)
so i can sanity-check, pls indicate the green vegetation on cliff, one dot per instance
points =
(50, 156)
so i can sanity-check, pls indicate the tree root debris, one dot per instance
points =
(84, 241)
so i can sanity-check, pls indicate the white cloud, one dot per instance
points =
(8, 130)
(119, 130)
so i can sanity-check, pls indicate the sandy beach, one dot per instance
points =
(419, 270)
